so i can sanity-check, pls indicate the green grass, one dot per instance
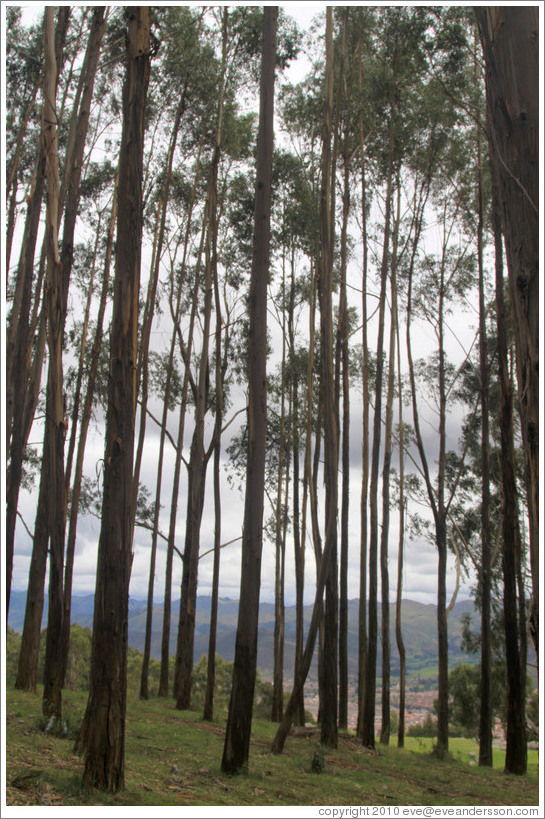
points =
(42, 770)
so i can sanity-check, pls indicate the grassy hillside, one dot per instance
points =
(173, 758)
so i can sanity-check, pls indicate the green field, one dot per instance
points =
(173, 758)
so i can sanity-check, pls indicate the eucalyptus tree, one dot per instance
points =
(327, 558)
(237, 737)
(225, 139)
(68, 204)
(55, 422)
(87, 404)
(178, 27)
(102, 733)
(514, 622)
(22, 392)
(394, 72)
(510, 44)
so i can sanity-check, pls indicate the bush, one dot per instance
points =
(428, 728)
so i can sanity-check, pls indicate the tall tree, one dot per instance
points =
(54, 441)
(144, 359)
(237, 737)
(387, 461)
(485, 724)
(22, 391)
(328, 735)
(368, 720)
(516, 747)
(198, 458)
(343, 366)
(510, 41)
(102, 733)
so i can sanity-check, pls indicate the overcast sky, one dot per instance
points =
(420, 575)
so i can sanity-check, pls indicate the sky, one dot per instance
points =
(420, 574)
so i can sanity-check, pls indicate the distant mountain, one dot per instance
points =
(419, 625)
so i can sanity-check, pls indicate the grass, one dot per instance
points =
(173, 758)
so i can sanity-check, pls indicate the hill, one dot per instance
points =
(419, 626)
(172, 758)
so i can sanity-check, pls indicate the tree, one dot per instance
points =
(55, 422)
(509, 37)
(328, 703)
(22, 390)
(516, 748)
(102, 733)
(237, 737)
(485, 727)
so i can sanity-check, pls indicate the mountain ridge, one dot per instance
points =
(419, 627)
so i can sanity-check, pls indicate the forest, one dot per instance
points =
(272, 328)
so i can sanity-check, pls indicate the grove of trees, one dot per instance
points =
(310, 290)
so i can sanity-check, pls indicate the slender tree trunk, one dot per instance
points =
(325, 286)
(384, 534)
(279, 626)
(102, 734)
(485, 719)
(144, 354)
(516, 748)
(308, 479)
(198, 459)
(195, 503)
(441, 535)
(221, 369)
(27, 668)
(436, 497)
(400, 556)
(76, 405)
(176, 311)
(84, 428)
(298, 541)
(237, 737)
(345, 491)
(54, 441)
(18, 346)
(368, 721)
(362, 608)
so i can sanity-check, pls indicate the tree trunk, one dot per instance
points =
(298, 541)
(195, 503)
(198, 459)
(516, 748)
(18, 345)
(84, 428)
(237, 737)
(345, 490)
(328, 703)
(27, 669)
(362, 608)
(368, 721)
(436, 497)
(54, 440)
(400, 556)
(384, 534)
(221, 368)
(102, 734)
(510, 41)
(485, 718)
(279, 625)
(144, 362)
(165, 635)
